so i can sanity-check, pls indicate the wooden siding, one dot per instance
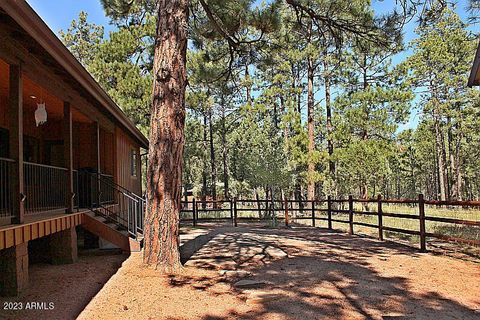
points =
(4, 87)
(107, 150)
(84, 146)
(124, 146)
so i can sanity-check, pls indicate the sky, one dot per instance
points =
(58, 15)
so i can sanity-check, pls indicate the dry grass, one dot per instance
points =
(448, 229)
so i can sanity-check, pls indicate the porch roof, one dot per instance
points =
(474, 79)
(35, 27)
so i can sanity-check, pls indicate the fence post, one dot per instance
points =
(329, 211)
(286, 212)
(380, 218)
(421, 214)
(231, 210)
(194, 205)
(313, 213)
(235, 223)
(259, 205)
(350, 213)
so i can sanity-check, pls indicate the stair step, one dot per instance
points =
(124, 232)
(100, 218)
(108, 232)
(90, 213)
(112, 225)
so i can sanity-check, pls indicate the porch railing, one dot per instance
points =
(45, 187)
(5, 194)
(76, 199)
(107, 194)
(129, 208)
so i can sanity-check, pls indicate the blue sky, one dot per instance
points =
(59, 14)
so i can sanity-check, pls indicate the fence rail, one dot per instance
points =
(343, 211)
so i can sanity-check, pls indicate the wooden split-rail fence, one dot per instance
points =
(328, 210)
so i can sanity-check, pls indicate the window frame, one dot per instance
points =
(133, 163)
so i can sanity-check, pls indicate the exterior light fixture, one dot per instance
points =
(33, 97)
(40, 114)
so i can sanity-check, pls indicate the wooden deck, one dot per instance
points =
(37, 226)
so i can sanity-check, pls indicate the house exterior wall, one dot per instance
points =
(124, 147)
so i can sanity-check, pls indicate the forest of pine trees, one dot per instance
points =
(284, 101)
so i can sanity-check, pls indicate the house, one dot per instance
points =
(474, 79)
(69, 156)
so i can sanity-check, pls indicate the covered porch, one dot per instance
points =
(49, 167)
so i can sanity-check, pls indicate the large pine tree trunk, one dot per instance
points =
(440, 147)
(452, 164)
(249, 88)
(226, 191)
(328, 107)
(205, 163)
(311, 130)
(213, 165)
(165, 153)
(458, 167)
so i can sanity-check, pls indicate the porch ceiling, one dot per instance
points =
(21, 23)
(34, 93)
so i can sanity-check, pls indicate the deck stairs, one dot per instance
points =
(119, 220)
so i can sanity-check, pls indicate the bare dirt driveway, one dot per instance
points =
(299, 273)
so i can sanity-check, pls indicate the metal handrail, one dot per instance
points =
(114, 184)
(131, 206)
(45, 166)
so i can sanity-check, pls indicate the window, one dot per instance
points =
(133, 163)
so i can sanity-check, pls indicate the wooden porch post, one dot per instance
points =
(68, 155)
(15, 111)
(97, 139)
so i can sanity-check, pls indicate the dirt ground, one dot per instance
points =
(300, 273)
(67, 288)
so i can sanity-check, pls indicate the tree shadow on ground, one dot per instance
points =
(312, 274)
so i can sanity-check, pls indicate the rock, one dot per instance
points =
(125, 308)
(262, 297)
(200, 286)
(234, 273)
(276, 253)
(248, 284)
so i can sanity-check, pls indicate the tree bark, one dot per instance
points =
(328, 107)
(212, 159)
(440, 158)
(458, 168)
(249, 88)
(311, 127)
(452, 188)
(205, 162)
(225, 156)
(165, 153)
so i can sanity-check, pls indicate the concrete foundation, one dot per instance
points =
(13, 270)
(58, 248)
(63, 247)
